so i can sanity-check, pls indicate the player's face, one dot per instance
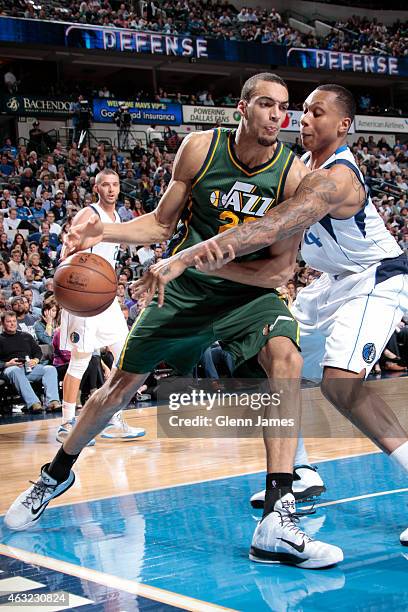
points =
(265, 112)
(321, 122)
(108, 189)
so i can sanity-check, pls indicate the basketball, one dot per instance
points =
(85, 284)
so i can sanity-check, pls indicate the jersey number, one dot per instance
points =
(233, 220)
(310, 238)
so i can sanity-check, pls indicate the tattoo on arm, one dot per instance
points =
(313, 199)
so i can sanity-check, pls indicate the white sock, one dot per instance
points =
(68, 411)
(400, 455)
(301, 457)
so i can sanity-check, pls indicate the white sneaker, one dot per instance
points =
(404, 538)
(65, 429)
(30, 505)
(307, 485)
(278, 539)
(118, 429)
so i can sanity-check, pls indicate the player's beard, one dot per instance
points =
(267, 142)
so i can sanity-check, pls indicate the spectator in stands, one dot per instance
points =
(19, 242)
(144, 254)
(54, 228)
(15, 264)
(25, 321)
(154, 135)
(29, 295)
(6, 167)
(20, 357)
(5, 274)
(45, 185)
(17, 288)
(34, 262)
(139, 210)
(45, 326)
(59, 209)
(38, 212)
(125, 212)
(10, 81)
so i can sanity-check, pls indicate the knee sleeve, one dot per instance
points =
(78, 364)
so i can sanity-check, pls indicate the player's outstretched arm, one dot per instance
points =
(158, 225)
(320, 193)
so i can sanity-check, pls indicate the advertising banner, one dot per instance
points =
(158, 113)
(31, 106)
(351, 62)
(364, 123)
(110, 39)
(211, 115)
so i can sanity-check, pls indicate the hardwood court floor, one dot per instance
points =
(117, 468)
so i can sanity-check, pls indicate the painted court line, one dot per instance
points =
(110, 581)
(193, 482)
(357, 497)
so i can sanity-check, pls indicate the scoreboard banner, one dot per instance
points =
(110, 39)
(347, 62)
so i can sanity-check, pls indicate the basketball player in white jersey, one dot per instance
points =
(348, 314)
(83, 335)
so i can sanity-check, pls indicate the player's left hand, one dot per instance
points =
(157, 277)
(212, 258)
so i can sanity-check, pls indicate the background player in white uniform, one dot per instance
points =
(83, 335)
(353, 308)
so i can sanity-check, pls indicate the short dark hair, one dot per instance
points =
(344, 98)
(7, 313)
(250, 84)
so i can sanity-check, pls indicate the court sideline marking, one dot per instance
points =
(193, 482)
(110, 581)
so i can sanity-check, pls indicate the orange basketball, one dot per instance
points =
(85, 284)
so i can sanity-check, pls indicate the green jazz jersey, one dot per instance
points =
(226, 192)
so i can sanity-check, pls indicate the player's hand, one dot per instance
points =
(82, 236)
(157, 277)
(212, 258)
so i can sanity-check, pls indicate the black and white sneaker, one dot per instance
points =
(29, 506)
(278, 539)
(307, 485)
(404, 538)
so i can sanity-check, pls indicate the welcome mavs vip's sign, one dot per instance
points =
(159, 113)
(32, 106)
(350, 62)
(34, 31)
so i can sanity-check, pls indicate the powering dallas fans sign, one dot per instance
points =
(212, 115)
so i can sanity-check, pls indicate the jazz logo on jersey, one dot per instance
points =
(242, 197)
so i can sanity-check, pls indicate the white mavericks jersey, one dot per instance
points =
(337, 246)
(107, 250)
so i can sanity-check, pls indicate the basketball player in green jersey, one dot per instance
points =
(221, 178)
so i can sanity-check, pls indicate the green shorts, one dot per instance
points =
(195, 315)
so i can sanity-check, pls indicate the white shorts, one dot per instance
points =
(346, 321)
(86, 334)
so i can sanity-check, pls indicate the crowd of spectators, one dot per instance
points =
(40, 195)
(217, 19)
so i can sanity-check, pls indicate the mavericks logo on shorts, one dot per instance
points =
(369, 352)
(74, 337)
